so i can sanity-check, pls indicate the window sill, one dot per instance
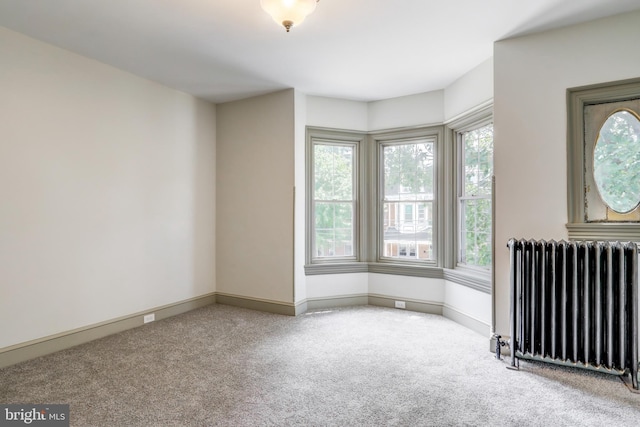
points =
(405, 270)
(336, 268)
(621, 231)
(373, 267)
(479, 281)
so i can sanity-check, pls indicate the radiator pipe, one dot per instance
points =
(499, 344)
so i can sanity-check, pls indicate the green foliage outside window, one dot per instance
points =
(616, 161)
(408, 199)
(408, 168)
(333, 167)
(475, 202)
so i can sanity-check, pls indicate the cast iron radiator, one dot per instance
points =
(575, 304)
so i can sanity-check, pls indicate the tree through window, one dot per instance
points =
(476, 152)
(408, 199)
(333, 200)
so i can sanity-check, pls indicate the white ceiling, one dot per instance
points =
(363, 50)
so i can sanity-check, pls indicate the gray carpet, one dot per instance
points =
(356, 366)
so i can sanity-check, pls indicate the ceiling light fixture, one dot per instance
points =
(288, 13)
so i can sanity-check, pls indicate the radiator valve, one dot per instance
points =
(499, 344)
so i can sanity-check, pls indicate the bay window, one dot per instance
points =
(405, 202)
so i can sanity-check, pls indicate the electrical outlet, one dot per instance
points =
(149, 318)
(401, 304)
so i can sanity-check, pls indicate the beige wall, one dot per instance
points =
(107, 190)
(532, 75)
(255, 191)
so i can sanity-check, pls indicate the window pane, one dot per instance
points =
(475, 198)
(333, 172)
(408, 171)
(334, 200)
(407, 200)
(333, 229)
(407, 236)
(478, 161)
(476, 232)
(616, 161)
(392, 172)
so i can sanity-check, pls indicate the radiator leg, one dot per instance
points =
(515, 362)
